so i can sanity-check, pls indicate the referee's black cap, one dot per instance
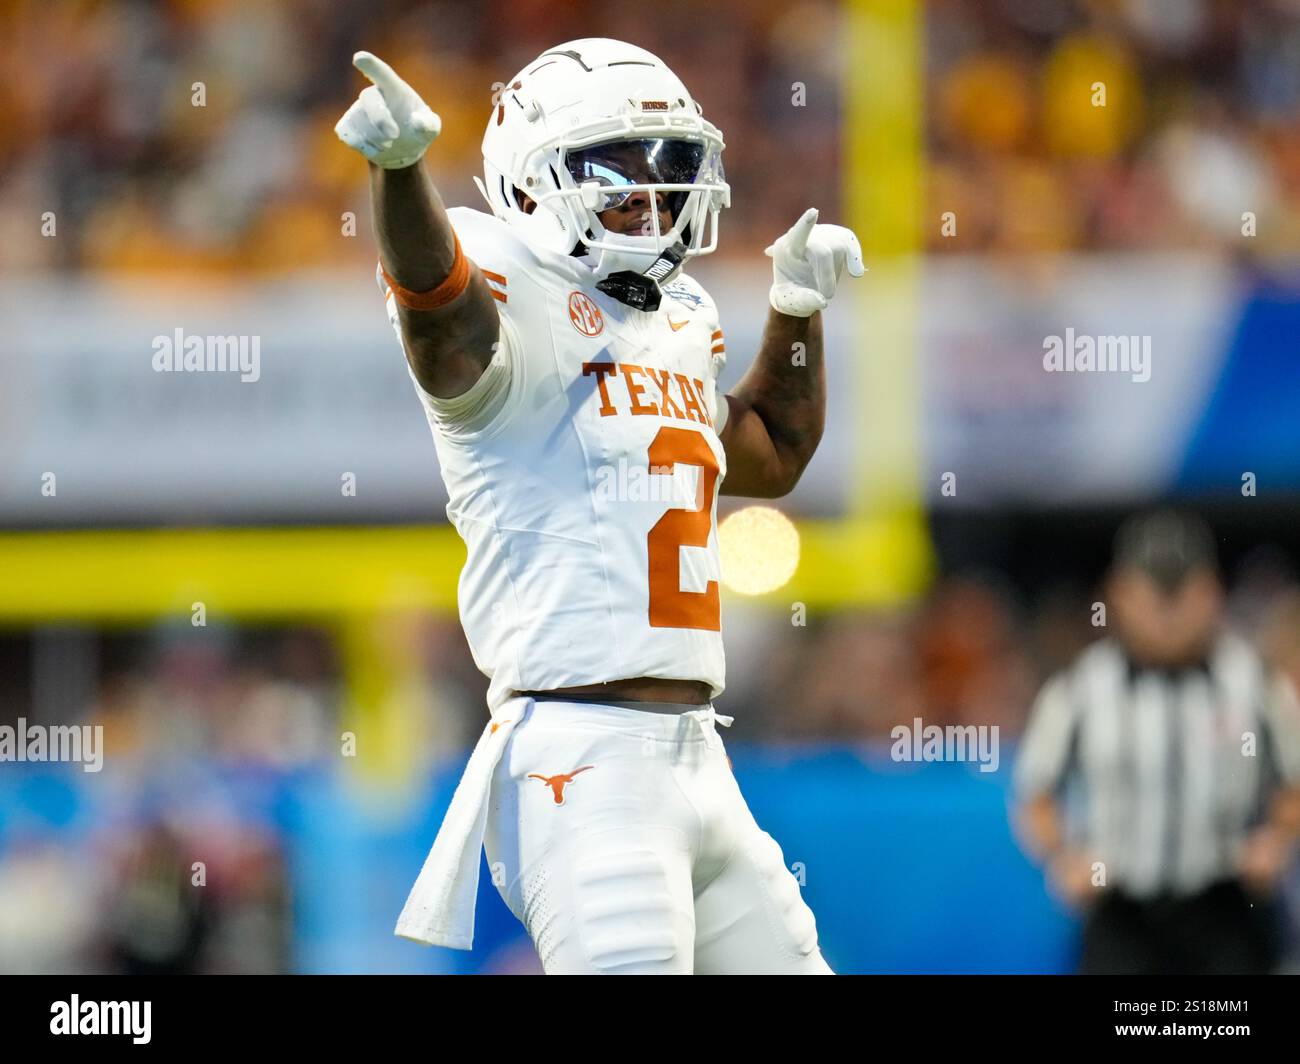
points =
(1166, 545)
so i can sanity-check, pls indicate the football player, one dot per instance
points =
(550, 341)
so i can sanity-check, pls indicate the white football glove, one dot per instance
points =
(389, 124)
(807, 263)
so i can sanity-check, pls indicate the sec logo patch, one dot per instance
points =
(585, 315)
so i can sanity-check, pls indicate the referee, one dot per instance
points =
(1159, 776)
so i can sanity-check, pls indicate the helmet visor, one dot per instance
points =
(654, 161)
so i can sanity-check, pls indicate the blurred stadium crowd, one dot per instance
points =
(255, 180)
(1199, 123)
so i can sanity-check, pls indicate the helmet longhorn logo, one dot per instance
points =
(558, 783)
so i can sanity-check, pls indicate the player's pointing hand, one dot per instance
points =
(388, 123)
(807, 263)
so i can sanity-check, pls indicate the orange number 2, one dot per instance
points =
(670, 606)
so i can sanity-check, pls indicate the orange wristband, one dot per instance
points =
(456, 282)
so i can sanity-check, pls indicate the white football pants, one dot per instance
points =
(620, 840)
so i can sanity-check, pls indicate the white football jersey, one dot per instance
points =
(583, 472)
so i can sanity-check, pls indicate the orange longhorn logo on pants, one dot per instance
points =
(556, 783)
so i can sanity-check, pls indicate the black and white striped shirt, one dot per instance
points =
(1163, 772)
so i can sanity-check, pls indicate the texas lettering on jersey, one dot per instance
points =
(672, 394)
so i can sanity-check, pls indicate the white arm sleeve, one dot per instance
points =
(720, 417)
(717, 360)
(475, 409)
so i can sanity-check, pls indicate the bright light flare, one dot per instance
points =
(760, 550)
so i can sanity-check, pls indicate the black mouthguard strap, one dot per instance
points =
(641, 290)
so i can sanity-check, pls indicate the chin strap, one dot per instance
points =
(641, 290)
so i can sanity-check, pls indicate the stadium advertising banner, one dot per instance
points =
(145, 407)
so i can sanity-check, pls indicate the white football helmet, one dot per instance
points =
(579, 130)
